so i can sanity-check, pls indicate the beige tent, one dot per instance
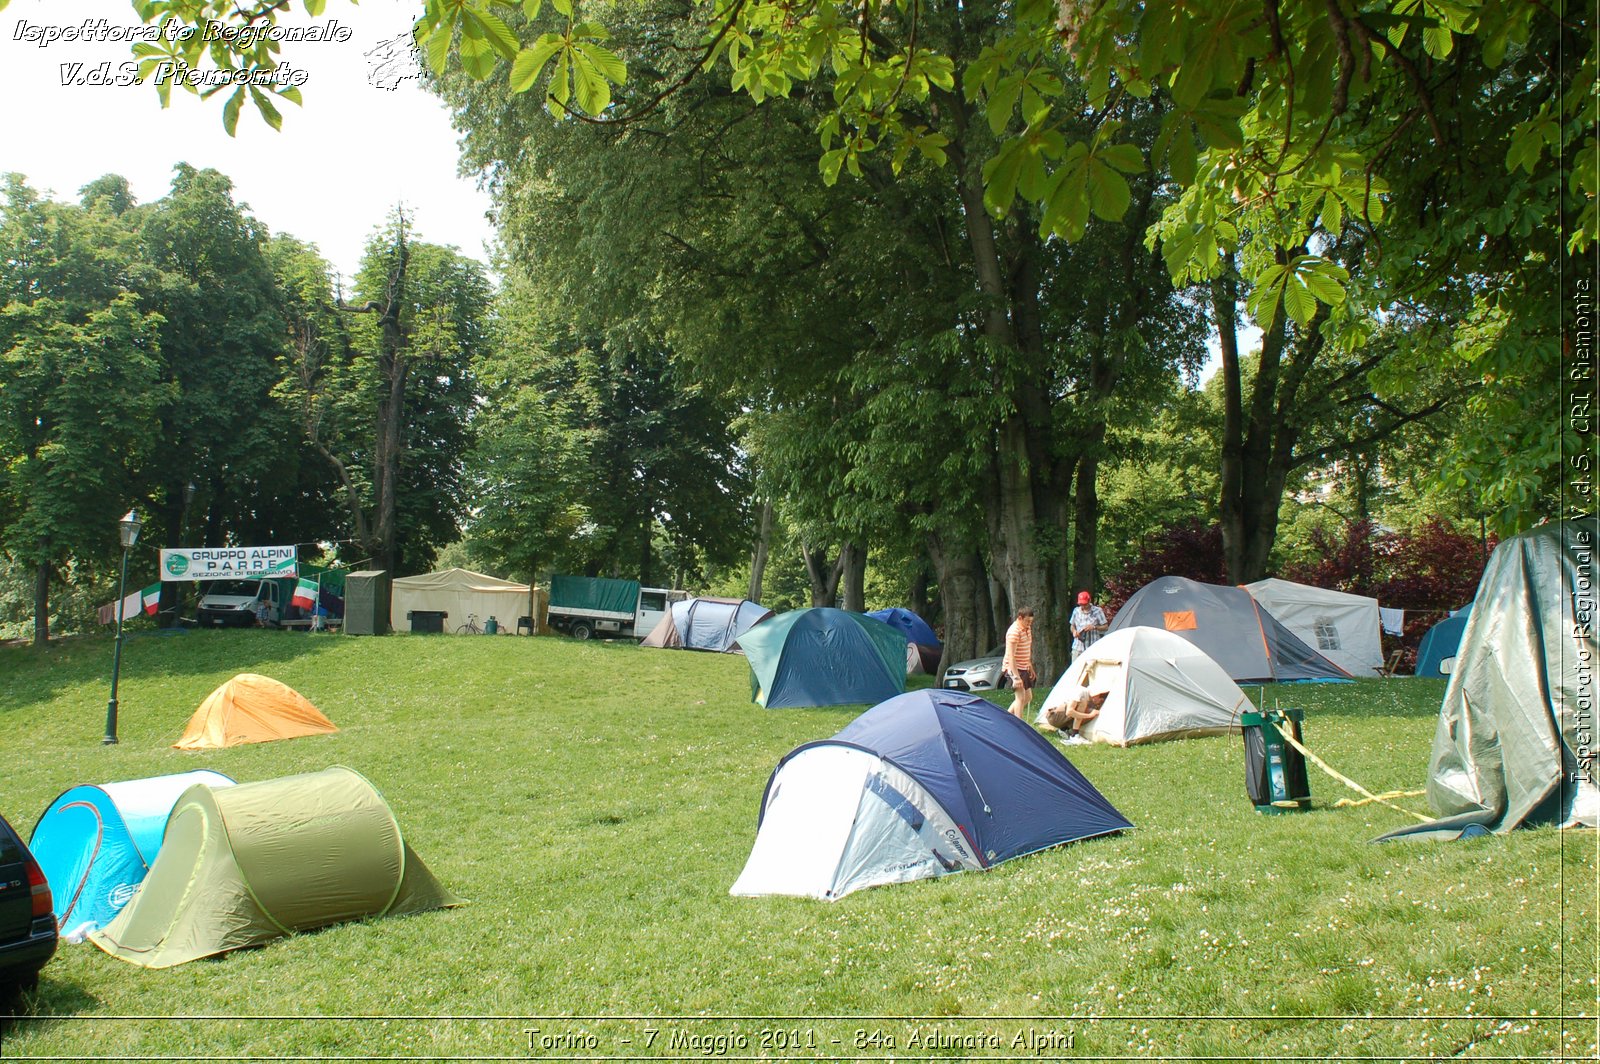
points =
(252, 709)
(241, 866)
(1157, 686)
(459, 593)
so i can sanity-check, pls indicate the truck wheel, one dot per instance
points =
(581, 631)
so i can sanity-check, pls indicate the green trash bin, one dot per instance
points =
(491, 626)
(1275, 772)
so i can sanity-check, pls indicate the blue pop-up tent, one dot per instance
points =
(924, 784)
(824, 657)
(916, 629)
(1441, 642)
(96, 842)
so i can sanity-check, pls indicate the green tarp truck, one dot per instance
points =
(587, 606)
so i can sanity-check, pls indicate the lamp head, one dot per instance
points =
(129, 528)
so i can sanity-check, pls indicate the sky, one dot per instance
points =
(367, 139)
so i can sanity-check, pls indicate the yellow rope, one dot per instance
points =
(1381, 799)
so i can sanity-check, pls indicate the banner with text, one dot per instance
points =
(228, 563)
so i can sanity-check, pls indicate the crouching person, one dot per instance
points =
(1070, 716)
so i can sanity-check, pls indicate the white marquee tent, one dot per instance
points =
(459, 592)
(1340, 626)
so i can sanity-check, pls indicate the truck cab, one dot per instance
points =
(240, 603)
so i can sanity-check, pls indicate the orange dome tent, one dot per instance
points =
(252, 709)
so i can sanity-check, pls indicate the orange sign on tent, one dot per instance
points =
(252, 709)
(1179, 621)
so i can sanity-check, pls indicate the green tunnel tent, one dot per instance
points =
(243, 865)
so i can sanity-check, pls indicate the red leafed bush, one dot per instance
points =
(1427, 571)
(1192, 549)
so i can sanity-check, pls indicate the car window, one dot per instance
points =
(247, 588)
(10, 851)
(652, 600)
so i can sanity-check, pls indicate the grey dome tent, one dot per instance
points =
(1228, 624)
(1519, 710)
(706, 624)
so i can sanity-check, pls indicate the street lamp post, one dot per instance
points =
(128, 529)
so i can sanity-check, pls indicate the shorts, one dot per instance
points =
(1024, 679)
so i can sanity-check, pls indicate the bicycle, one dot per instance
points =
(471, 627)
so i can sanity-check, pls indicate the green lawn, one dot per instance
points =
(595, 801)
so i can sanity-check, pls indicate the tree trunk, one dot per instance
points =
(963, 596)
(389, 439)
(172, 511)
(1085, 528)
(647, 548)
(917, 593)
(1258, 441)
(823, 575)
(1026, 518)
(998, 608)
(41, 604)
(853, 563)
(758, 557)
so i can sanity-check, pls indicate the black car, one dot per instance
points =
(27, 918)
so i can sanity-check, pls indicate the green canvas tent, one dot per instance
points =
(824, 657)
(243, 865)
(1514, 743)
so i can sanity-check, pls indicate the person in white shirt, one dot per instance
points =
(1088, 623)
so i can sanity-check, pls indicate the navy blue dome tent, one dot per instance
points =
(924, 784)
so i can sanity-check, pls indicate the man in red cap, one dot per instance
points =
(1088, 623)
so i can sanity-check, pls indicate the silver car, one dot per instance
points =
(977, 674)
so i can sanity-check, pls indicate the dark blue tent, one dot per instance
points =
(916, 629)
(926, 783)
(824, 657)
(1441, 643)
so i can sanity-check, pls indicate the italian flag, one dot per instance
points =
(152, 598)
(305, 594)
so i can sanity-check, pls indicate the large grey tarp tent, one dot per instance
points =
(1519, 711)
(1230, 626)
(243, 865)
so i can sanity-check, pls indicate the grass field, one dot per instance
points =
(595, 801)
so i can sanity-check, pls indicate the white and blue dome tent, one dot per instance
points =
(96, 842)
(706, 624)
(924, 784)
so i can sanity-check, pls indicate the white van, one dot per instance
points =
(240, 603)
